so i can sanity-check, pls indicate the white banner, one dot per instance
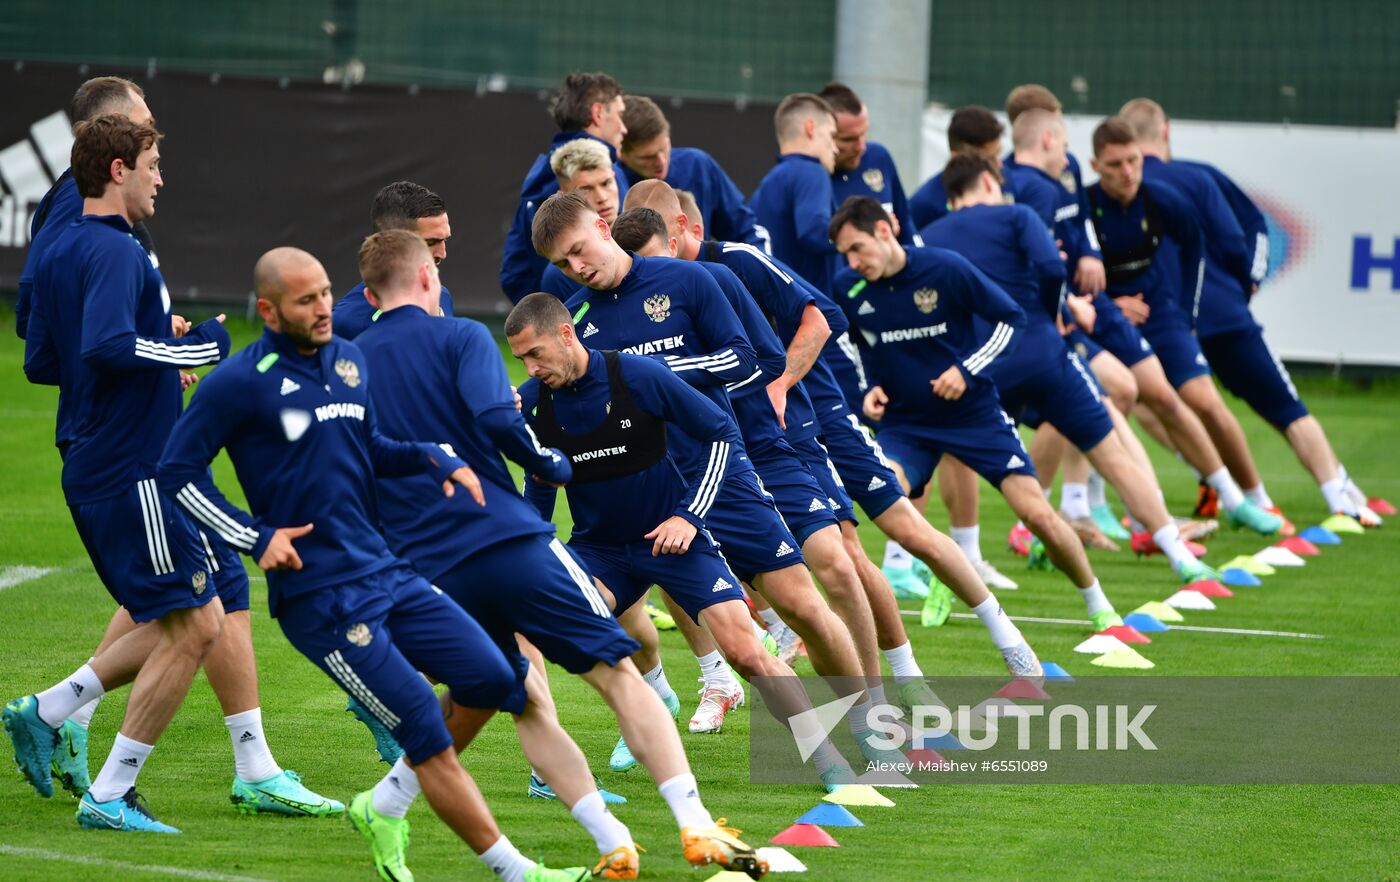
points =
(1332, 199)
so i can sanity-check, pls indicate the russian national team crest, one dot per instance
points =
(348, 371)
(926, 299)
(874, 179)
(1067, 181)
(657, 308)
(360, 634)
(199, 580)
(1082, 350)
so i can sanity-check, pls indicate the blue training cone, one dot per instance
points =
(1055, 672)
(828, 814)
(1145, 623)
(1321, 536)
(946, 741)
(1237, 576)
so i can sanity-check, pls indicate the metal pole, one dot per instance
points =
(882, 53)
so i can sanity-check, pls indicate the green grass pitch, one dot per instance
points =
(50, 624)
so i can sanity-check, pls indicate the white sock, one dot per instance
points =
(1097, 498)
(715, 671)
(682, 794)
(1074, 500)
(506, 861)
(770, 617)
(1334, 491)
(859, 717)
(1047, 492)
(1094, 598)
(607, 831)
(896, 558)
(876, 693)
(59, 701)
(1259, 496)
(1225, 487)
(1004, 633)
(902, 663)
(252, 761)
(119, 772)
(83, 715)
(396, 791)
(1169, 540)
(969, 539)
(656, 679)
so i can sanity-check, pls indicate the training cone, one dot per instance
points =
(1210, 588)
(805, 834)
(780, 860)
(1020, 688)
(860, 794)
(829, 814)
(1279, 557)
(1160, 611)
(1321, 536)
(1099, 644)
(1249, 565)
(1299, 545)
(921, 757)
(1055, 672)
(1380, 506)
(732, 876)
(946, 741)
(1340, 523)
(1184, 599)
(1147, 624)
(1237, 577)
(1126, 657)
(1127, 633)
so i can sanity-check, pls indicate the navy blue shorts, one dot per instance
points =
(843, 357)
(818, 461)
(1114, 332)
(1064, 394)
(695, 580)
(987, 443)
(861, 463)
(804, 505)
(532, 585)
(745, 522)
(230, 577)
(1177, 349)
(1249, 369)
(1081, 344)
(373, 636)
(146, 551)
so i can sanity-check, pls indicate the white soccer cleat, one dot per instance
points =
(992, 577)
(715, 703)
(789, 644)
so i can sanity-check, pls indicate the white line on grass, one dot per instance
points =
(1248, 632)
(42, 854)
(12, 576)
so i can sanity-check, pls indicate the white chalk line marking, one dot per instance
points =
(1247, 632)
(12, 576)
(87, 860)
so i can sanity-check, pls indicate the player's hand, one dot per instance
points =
(279, 554)
(777, 394)
(516, 392)
(545, 481)
(1134, 308)
(1082, 310)
(951, 385)
(673, 536)
(875, 402)
(1089, 275)
(188, 379)
(179, 325)
(1060, 247)
(467, 478)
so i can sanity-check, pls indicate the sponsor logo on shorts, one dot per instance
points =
(817, 505)
(590, 329)
(866, 308)
(876, 483)
(721, 584)
(348, 371)
(360, 634)
(199, 580)
(657, 307)
(288, 387)
(784, 549)
(1015, 462)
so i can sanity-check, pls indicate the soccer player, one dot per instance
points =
(583, 166)
(294, 412)
(792, 306)
(1012, 246)
(647, 154)
(863, 168)
(931, 393)
(1232, 341)
(402, 205)
(971, 129)
(589, 105)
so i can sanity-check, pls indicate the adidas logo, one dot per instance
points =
(77, 688)
(865, 308)
(246, 737)
(130, 761)
(817, 505)
(721, 584)
(833, 504)
(288, 387)
(1015, 462)
(876, 483)
(30, 166)
(784, 550)
(589, 330)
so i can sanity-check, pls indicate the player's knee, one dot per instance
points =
(197, 630)
(747, 658)
(1041, 520)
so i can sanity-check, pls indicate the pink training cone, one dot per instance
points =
(1022, 688)
(1126, 633)
(805, 834)
(1381, 506)
(1299, 545)
(924, 756)
(1210, 588)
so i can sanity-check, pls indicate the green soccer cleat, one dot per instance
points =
(1106, 522)
(1251, 516)
(1105, 619)
(917, 693)
(1037, 559)
(33, 740)
(622, 758)
(127, 813)
(69, 766)
(937, 605)
(905, 583)
(541, 873)
(384, 743)
(660, 618)
(387, 837)
(770, 644)
(282, 794)
(1193, 570)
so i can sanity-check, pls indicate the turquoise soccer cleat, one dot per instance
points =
(1251, 516)
(541, 790)
(1108, 524)
(33, 740)
(384, 742)
(1195, 571)
(906, 583)
(922, 572)
(622, 759)
(387, 838)
(69, 766)
(127, 813)
(282, 794)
